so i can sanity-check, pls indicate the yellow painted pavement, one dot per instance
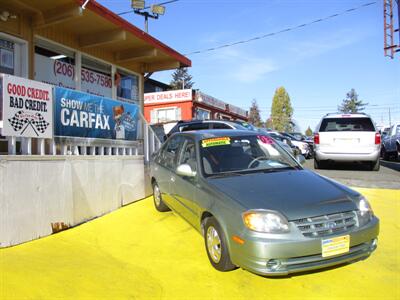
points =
(138, 253)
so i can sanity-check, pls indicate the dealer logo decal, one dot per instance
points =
(21, 121)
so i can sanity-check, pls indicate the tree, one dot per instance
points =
(281, 110)
(269, 124)
(181, 79)
(309, 131)
(351, 104)
(254, 114)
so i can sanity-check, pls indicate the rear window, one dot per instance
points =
(196, 126)
(346, 124)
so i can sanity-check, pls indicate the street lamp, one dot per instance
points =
(139, 8)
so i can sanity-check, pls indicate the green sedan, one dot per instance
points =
(256, 206)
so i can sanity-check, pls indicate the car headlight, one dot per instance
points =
(365, 212)
(265, 221)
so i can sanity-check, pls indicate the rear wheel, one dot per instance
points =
(318, 164)
(216, 246)
(158, 202)
(375, 165)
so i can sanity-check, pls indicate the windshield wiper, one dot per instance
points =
(227, 174)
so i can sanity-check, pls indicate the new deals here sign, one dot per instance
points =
(89, 116)
(27, 108)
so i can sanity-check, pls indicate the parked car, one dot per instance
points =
(347, 138)
(391, 143)
(283, 141)
(203, 125)
(302, 145)
(255, 205)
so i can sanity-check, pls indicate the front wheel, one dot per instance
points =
(158, 202)
(215, 242)
(384, 154)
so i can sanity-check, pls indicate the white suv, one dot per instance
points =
(347, 137)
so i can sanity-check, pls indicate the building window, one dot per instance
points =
(127, 86)
(7, 57)
(202, 114)
(96, 77)
(54, 65)
(13, 56)
(163, 115)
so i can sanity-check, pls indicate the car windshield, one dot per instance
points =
(232, 155)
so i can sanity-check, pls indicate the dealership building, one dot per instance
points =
(188, 104)
(72, 78)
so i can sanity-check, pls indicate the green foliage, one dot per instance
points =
(254, 114)
(281, 111)
(351, 104)
(181, 79)
(309, 131)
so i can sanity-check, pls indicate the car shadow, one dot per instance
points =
(347, 166)
(391, 165)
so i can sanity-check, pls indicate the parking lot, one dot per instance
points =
(358, 175)
(139, 253)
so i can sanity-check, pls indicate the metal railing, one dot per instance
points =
(146, 144)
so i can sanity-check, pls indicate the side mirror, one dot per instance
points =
(301, 159)
(185, 170)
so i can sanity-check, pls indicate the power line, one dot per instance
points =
(283, 30)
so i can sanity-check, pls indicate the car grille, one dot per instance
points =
(327, 224)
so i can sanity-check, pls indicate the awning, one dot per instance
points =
(98, 30)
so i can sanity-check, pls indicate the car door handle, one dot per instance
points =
(173, 179)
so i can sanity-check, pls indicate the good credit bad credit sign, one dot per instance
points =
(27, 108)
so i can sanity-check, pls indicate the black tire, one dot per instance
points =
(317, 164)
(398, 152)
(375, 165)
(384, 154)
(216, 246)
(157, 199)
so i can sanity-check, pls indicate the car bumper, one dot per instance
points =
(347, 157)
(303, 254)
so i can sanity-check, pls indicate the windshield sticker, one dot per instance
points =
(220, 141)
(266, 139)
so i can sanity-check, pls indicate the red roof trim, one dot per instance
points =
(120, 22)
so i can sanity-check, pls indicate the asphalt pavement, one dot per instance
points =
(358, 175)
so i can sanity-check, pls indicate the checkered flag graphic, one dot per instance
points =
(17, 122)
(40, 124)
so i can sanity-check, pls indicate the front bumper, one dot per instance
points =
(301, 254)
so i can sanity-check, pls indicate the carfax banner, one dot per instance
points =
(89, 116)
(27, 108)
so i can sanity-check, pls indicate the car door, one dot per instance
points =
(165, 165)
(184, 188)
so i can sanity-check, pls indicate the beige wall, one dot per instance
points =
(39, 196)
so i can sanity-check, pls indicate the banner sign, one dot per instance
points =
(27, 108)
(89, 116)
(168, 96)
(62, 74)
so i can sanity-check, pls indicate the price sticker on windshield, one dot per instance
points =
(266, 139)
(220, 141)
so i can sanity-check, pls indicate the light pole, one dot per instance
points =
(140, 8)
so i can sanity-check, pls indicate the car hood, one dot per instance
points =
(296, 194)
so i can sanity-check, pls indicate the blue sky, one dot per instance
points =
(317, 64)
